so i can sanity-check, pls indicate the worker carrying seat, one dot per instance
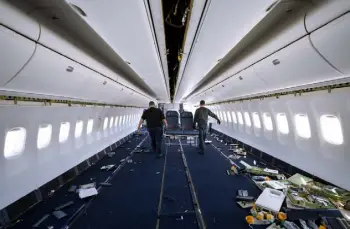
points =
(172, 117)
(187, 123)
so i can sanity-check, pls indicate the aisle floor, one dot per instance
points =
(133, 200)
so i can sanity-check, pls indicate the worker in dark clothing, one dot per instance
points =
(155, 119)
(201, 117)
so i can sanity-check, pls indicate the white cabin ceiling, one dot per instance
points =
(126, 27)
(225, 24)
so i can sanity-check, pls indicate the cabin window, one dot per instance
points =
(302, 125)
(89, 126)
(111, 122)
(64, 132)
(220, 115)
(331, 129)
(78, 129)
(267, 121)
(44, 136)
(256, 120)
(229, 117)
(15, 141)
(116, 121)
(240, 118)
(234, 118)
(105, 123)
(121, 120)
(282, 123)
(248, 122)
(224, 114)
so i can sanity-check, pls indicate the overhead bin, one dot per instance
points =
(296, 65)
(289, 29)
(54, 41)
(333, 43)
(51, 74)
(16, 50)
(244, 83)
(19, 21)
(327, 11)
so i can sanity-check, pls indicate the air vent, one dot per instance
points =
(79, 10)
(276, 62)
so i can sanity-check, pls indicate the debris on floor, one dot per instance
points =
(63, 205)
(72, 188)
(132, 170)
(105, 184)
(87, 190)
(107, 167)
(59, 214)
(157, 172)
(84, 193)
(129, 161)
(40, 221)
(110, 154)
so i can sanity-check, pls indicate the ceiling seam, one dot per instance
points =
(151, 24)
(199, 27)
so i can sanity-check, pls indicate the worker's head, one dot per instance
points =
(152, 104)
(202, 103)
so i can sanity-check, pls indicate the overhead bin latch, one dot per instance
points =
(70, 69)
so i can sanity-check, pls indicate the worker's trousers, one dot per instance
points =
(156, 135)
(202, 136)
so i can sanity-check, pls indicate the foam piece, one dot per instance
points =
(270, 199)
(83, 193)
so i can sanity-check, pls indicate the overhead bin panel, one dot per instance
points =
(333, 42)
(244, 83)
(51, 74)
(326, 12)
(288, 30)
(13, 18)
(16, 50)
(296, 65)
(54, 41)
(99, 88)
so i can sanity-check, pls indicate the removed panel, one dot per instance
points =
(333, 42)
(51, 74)
(296, 65)
(15, 52)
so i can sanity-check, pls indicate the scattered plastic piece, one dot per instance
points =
(37, 224)
(132, 170)
(87, 186)
(83, 193)
(157, 172)
(59, 214)
(72, 188)
(64, 205)
(107, 167)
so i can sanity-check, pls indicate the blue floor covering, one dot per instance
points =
(61, 196)
(132, 201)
(216, 190)
(177, 195)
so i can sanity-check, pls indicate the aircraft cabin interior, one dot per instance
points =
(77, 149)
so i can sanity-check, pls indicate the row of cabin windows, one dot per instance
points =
(15, 138)
(330, 125)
